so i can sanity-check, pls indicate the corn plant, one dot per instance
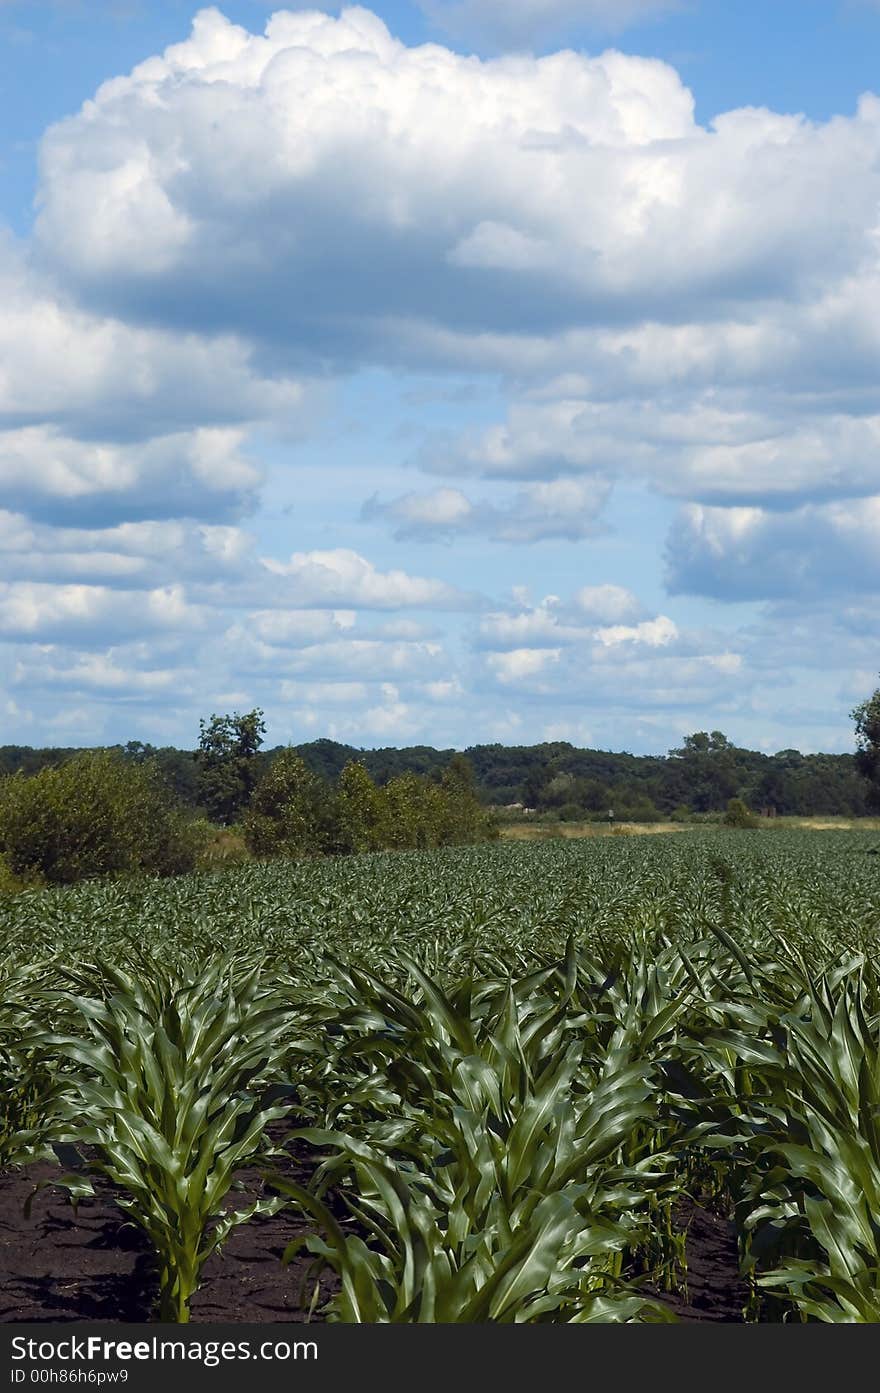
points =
(820, 1197)
(167, 1087)
(491, 1180)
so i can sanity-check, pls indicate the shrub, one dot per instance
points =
(218, 847)
(738, 815)
(290, 812)
(363, 810)
(96, 814)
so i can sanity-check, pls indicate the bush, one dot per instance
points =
(97, 814)
(218, 847)
(291, 812)
(363, 810)
(738, 815)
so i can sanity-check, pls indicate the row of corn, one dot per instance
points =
(486, 1144)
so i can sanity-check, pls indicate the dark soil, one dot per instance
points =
(715, 1289)
(91, 1264)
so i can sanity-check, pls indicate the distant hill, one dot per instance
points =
(701, 776)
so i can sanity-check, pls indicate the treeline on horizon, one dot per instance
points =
(557, 778)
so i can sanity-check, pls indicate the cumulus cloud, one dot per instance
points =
(105, 674)
(606, 603)
(552, 624)
(357, 185)
(296, 628)
(750, 553)
(131, 555)
(656, 633)
(342, 578)
(556, 651)
(84, 614)
(703, 448)
(201, 474)
(521, 664)
(557, 509)
(92, 376)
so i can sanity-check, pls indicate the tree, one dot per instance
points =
(464, 819)
(867, 718)
(362, 811)
(738, 815)
(227, 765)
(96, 814)
(708, 765)
(289, 811)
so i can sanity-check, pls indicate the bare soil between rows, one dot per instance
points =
(90, 1263)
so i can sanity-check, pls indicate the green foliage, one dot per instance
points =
(97, 814)
(500, 1156)
(164, 1088)
(295, 813)
(700, 776)
(226, 763)
(738, 815)
(288, 814)
(362, 810)
(516, 1063)
(867, 720)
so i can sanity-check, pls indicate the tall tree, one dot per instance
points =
(226, 761)
(867, 718)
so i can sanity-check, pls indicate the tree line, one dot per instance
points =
(115, 811)
(699, 777)
(67, 814)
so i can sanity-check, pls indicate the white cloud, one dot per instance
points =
(104, 673)
(298, 628)
(344, 578)
(749, 553)
(606, 603)
(655, 633)
(521, 664)
(85, 377)
(584, 621)
(201, 474)
(262, 183)
(560, 509)
(340, 151)
(78, 614)
(131, 555)
(703, 448)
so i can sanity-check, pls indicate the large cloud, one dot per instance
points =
(323, 182)
(748, 553)
(689, 309)
(132, 555)
(54, 478)
(707, 448)
(94, 376)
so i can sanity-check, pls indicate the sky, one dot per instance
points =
(441, 372)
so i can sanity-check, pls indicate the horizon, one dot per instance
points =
(440, 372)
(267, 748)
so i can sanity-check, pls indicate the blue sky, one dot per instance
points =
(440, 372)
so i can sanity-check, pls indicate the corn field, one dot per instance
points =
(505, 1071)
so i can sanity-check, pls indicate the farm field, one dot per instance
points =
(610, 1079)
